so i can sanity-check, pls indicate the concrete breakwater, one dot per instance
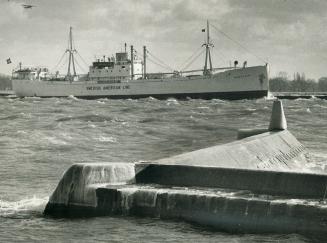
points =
(259, 183)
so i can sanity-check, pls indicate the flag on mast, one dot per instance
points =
(8, 61)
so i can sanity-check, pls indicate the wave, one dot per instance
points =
(150, 98)
(150, 120)
(72, 97)
(172, 101)
(204, 107)
(250, 109)
(101, 102)
(56, 141)
(320, 106)
(107, 139)
(10, 117)
(32, 98)
(27, 206)
(218, 101)
(86, 118)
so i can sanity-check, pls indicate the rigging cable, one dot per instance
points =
(190, 58)
(239, 44)
(62, 64)
(87, 65)
(219, 53)
(154, 62)
(74, 49)
(79, 66)
(192, 61)
(158, 60)
(55, 67)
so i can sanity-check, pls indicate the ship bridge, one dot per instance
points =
(115, 69)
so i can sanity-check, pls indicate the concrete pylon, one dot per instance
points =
(277, 120)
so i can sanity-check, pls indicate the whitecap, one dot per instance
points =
(55, 141)
(152, 98)
(66, 135)
(250, 109)
(107, 139)
(218, 101)
(72, 97)
(21, 132)
(171, 101)
(130, 99)
(27, 205)
(91, 125)
(32, 98)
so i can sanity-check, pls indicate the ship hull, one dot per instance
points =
(206, 96)
(244, 83)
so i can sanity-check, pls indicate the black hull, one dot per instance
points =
(239, 95)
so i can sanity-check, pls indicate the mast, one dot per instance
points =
(132, 62)
(144, 62)
(207, 71)
(71, 55)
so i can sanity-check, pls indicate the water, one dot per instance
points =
(41, 138)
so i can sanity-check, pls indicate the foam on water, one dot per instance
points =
(146, 195)
(34, 205)
(72, 97)
(152, 99)
(55, 141)
(107, 139)
(172, 101)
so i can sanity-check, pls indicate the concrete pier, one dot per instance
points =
(226, 211)
(259, 183)
(288, 184)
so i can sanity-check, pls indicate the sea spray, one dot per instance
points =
(22, 207)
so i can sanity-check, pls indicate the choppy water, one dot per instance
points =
(41, 138)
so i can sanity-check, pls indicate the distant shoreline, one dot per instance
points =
(298, 94)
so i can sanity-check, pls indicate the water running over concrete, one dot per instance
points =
(270, 166)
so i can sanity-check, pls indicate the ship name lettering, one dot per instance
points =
(93, 88)
(109, 87)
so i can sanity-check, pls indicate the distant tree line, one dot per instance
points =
(282, 83)
(5, 82)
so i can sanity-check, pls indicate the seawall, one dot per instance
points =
(259, 183)
(229, 211)
(298, 185)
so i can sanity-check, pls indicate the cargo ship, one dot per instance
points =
(125, 76)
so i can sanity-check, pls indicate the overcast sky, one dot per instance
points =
(291, 35)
